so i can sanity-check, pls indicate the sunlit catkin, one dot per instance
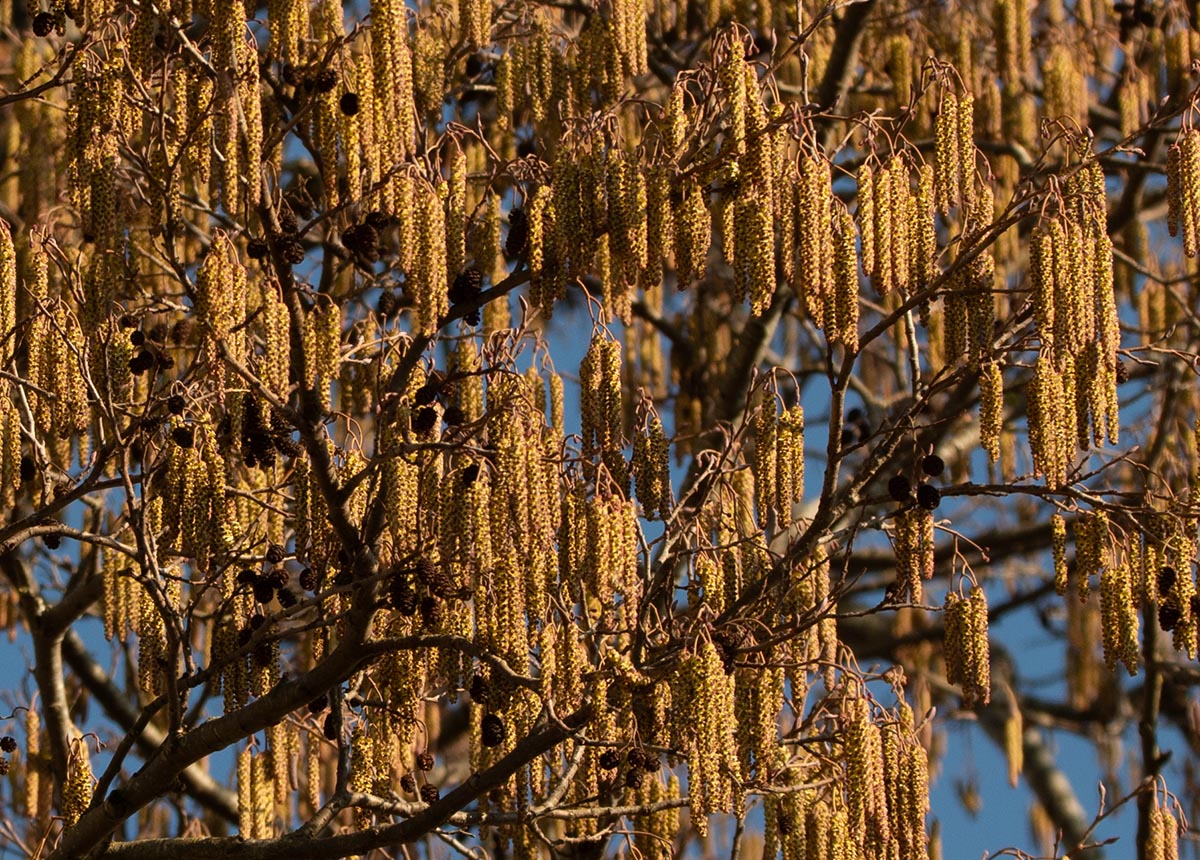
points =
(31, 791)
(845, 281)
(693, 234)
(866, 216)
(77, 789)
(1189, 190)
(1119, 617)
(991, 408)
(1058, 543)
(966, 646)
(947, 153)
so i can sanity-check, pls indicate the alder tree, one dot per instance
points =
(519, 429)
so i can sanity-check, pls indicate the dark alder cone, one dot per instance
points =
(404, 599)
(479, 690)
(158, 332)
(141, 363)
(610, 759)
(634, 757)
(426, 394)
(287, 598)
(466, 286)
(1168, 616)
(425, 570)
(184, 436)
(52, 541)
(291, 75)
(378, 220)
(328, 728)
(933, 465)
(1122, 372)
(388, 304)
(8, 744)
(324, 80)
(469, 474)
(408, 783)
(1166, 579)
(928, 496)
(247, 576)
(293, 252)
(856, 428)
(429, 792)
(518, 234)
(257, 620)
(318, 704)
(176, 403)
(277, 577)
(634, 777)
(492, 730)
(128, 321)
(43, 23)
(900, 488)
(431, 612)
(28, 469)
(425, 761)
(454, 417)
(276, 553)
(137, 337)
(180, 331)
(264, 591)
(348, 103)
(5, 766)
(308, 579)
(256, 249)
(424, 420)
(287, 223)
(362, 239)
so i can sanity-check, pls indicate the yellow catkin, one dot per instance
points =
(1189, 184)
(77, 789)
(866, 216)
(1119, 617)
(966, 151)
(991, 408)
(845, 275)
(1058, 531)
(429, 287)
(899, 206)
(947, 153)
(31, 791)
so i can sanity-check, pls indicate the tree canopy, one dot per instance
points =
(519, 429)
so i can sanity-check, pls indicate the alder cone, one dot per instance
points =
(492, 730)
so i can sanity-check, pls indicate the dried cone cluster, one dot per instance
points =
(966, 647)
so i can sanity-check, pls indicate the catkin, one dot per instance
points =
(1058, 526)
(1119, 617)
(947, 153)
